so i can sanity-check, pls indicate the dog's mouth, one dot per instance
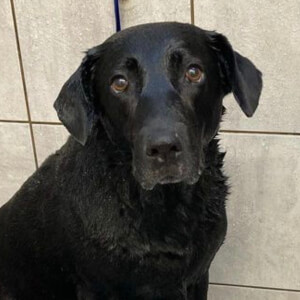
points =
(186, 179)
(170, 179)
(152, 179)
(150, 173)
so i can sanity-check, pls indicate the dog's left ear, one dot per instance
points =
(74, 104)
(242, 78)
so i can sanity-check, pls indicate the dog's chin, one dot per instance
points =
(150, 183)
(170, 180)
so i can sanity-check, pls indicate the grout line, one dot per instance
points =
(259, 132)
(255, 287)
(23, 81)
(192, 12)
(14, 121)
(46, 123)
(32, 122)
(220, 131)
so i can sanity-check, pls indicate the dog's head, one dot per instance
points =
(158, 88)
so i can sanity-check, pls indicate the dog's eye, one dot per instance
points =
(119, 84)
(194, 74)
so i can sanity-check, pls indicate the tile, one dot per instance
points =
(136, 12)
(53, 36)
(17, 161)
(237, 293)
(12, 101)
(263, 241)
(270, 36)
(48, 139)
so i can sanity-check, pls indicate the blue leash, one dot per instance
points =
(117, 15)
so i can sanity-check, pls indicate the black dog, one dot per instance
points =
(133, 205)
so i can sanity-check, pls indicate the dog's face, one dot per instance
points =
(159, 89)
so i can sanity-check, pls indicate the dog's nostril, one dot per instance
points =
(152, 152)
(175, 148)
(164, 150)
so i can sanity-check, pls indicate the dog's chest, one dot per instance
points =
(160, 238)
(156, 232)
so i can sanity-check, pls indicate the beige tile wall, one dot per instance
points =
(260, 258)
(17, 161)
(269, 33)
(12, 102)
(263, 241)
(48, 139)
(53, 36)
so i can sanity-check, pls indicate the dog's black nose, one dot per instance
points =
(164, 149)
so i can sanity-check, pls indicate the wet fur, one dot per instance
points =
(165, 235)
(82, 227)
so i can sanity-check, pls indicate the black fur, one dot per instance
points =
(98, 220)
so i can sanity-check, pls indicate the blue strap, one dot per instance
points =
(117, 15)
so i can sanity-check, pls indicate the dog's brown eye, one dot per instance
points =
(194, 74)
(119, 84)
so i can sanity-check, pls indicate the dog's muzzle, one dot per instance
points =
(162, 157)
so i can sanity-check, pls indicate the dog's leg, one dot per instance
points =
(199, 290)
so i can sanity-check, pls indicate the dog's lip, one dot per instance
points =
(163, 181)
(170, 179)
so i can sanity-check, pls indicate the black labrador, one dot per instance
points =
(133, 205)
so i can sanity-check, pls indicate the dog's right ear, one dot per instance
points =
(242, 78)
(74, 104)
